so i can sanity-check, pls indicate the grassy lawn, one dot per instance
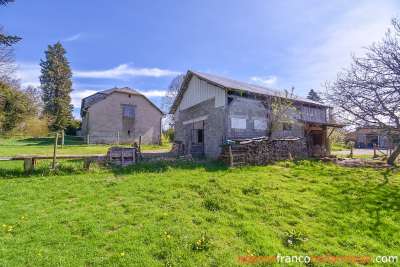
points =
(13, 147)
(339, 147)
(155, 214)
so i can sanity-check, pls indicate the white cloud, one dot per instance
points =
(321, 56)
(29, 74)
(154, 93)
(76, 97)
(123, 71)
(73, 38)
(265, 81)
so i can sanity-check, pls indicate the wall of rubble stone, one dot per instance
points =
(265, 152)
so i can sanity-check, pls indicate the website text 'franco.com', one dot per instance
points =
(326, 258)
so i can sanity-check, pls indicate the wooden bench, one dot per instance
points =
(31, 160)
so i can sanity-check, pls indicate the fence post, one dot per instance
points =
(140, 148)
(374, 146)
(62, 139)
(117, 138)
(351, 150)
(55, 152)
(230, 156)
(87, 139)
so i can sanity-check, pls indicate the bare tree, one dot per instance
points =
(7, 65)
(368, 92)
(168, 100)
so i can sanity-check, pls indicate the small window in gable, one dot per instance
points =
(128, 111)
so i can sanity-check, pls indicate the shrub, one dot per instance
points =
(169, 135)
(33, 126)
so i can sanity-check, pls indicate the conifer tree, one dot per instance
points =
(312, 95)
(56, 85)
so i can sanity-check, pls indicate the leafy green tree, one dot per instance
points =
(73, 127)
(312, 95)
(15, 107)
(56, 86)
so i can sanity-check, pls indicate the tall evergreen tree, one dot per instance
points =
(312, 95)
(56, 85)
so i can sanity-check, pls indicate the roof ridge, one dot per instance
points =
(262, 88)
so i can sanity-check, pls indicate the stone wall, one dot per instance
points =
(249, 110)
(265, 152)
(254, 112)
(214, 126)
(104, 120)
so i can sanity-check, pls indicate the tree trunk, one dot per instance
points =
(394, 155)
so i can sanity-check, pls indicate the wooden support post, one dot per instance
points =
(86, 163)
(230, 156)
(55, 152)
(374, 145)
(117, 138)
(62, 139)
(28, 165)
(140, 148)
(351, 150)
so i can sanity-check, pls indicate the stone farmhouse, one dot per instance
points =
(120, 115)
(210, 109)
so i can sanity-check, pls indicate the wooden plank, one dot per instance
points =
(48, 156)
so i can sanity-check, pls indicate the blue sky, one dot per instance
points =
(144, 44)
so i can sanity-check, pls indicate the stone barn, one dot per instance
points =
(210, 109)
(120, 115)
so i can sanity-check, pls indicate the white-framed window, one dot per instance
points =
(260, 125)
(238, 123)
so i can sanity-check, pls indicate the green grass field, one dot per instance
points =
(155, 214)
(339, 147)
(73, 145)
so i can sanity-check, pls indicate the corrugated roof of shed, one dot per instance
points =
(227, 83)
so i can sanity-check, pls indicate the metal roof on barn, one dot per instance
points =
(229, 84)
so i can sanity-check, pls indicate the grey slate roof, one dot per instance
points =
(97, 97)
(226, 83)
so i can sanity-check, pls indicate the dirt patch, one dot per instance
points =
(365, 163)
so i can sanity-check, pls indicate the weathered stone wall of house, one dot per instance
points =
(104, 120)
(247, 118)
(214, 126)
(265, 152)
(242, 115)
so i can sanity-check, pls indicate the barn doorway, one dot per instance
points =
(197, 139)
